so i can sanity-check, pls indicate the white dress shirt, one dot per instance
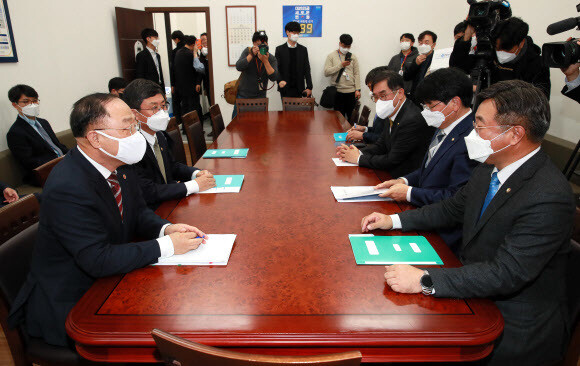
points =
(572, 84)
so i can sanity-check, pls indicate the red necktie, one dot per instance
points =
(116, 188)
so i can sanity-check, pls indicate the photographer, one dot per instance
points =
(572, 80)
(516, 55)
(257, 66)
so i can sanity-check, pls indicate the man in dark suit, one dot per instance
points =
(9, 195)
(179, 38)
(187, 79)
(148, 61)
(446, 167)
(405, 137)
(161, 177)
(90, 212)
(293, 65)
(416, 70)
(517, 216)
(31, 139)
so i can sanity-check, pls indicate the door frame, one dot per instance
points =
(199, 9)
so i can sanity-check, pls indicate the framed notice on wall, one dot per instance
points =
(240, 27)
(309, 17)
(7, 46)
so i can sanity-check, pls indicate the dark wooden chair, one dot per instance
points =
(252, 105)
(178, 351)
(17, 216)
(177, 147)
(195, 136)
(354, 116)
(364, 116)
(217, 121)
(41, 173)
(297, 104)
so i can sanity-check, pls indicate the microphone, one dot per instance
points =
(562, 26)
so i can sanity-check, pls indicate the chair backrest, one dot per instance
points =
(172, 125)
(17, 216)
(179, 351)
(354, 115)
(177, 147)
(195, 136)
(217, 121)
(252, 105)
(42, 172)
(297, 104)
(364, 116)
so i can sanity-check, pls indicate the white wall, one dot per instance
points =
(68, 48)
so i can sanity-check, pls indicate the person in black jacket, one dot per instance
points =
(91, 214)
(406, 135)
(31, 139)
(404, 58)
(179, 38)
(187, 79)
(117, 86)
(517, 56)
(148, 61)
(9, 195)
(293, 65)
(161, 177)
(416, 70)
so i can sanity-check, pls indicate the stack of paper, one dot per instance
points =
(226, 153)
(413, 250)
(226, 184)
(359, 194)
(216, 252)
(339, 162)
(340, 137)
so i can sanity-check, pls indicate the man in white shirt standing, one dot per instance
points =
(148, 61)
(516, 212)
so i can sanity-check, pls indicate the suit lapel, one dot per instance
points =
(33, 133)
(164, 148)
(151, 157)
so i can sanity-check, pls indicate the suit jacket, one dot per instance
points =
(29, 148)
(416, 73)
(145, 67)
(301, 68)
(205, 76)
(155, 189)
(515, 254)
(172, 61)
(186, 78)
(374, 132)
(574, 94)
(401, 150)
(81, 237)
(448, 170)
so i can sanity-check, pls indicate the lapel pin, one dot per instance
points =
(124, 176)
(508, 190)
(161, 149)
(453, 139)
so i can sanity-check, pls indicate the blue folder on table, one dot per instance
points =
(414, 250)
(340, 137)
(225, 153)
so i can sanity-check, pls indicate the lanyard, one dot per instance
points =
(259, 66)
(405, 59)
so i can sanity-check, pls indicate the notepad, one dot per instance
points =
(226, 153)
(340, 137)
(358, 194)
(414, 250)
(226, 184)
(216, 252)
(339, 162)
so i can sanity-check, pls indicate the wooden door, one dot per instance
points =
(130, 23)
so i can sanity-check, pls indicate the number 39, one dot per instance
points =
(306, 28)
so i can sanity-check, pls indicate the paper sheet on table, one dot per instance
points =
(339, 162)
(226, 184)
(358, 194)
(216, 252)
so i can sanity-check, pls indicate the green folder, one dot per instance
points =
(223, 181)
(225, 153)
(414, 250)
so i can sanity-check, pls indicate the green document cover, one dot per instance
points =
(412, 250)
(225, 153)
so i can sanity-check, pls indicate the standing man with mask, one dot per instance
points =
(188, 80)
(293, 65)
(148, 61)
(178, 39)
(203, 58)
(30, 139)
(161, 178)
(517, 212)
(344, 64)
(404, 58)
(416, 71)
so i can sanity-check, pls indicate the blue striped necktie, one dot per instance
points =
(493, 188)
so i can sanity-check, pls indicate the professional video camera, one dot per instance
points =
(562, 54)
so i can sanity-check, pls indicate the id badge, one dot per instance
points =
(347, 76)
(401, 72)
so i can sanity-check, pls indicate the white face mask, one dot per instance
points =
(505, 57)
(158, 121)
(344, 51)
(424, 49)
(204, 51)
(405, 46)
(434, 118)
(131, 149)
(480, 149)
(294, 37)
(31, 110)
(155, 43)
(385, 108)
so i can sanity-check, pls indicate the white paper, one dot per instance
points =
(223, 190)
(216, 251)
(440, 58)
(339, 162)
(357, 235)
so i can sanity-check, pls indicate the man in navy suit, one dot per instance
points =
(446, 167)
(91, 211)
(31, 139)
(148, 61)
(161, 177)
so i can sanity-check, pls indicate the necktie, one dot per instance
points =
(493, 188)
(433, 147)
(390, 124)
(47, 138)
(159, 157)
(116, 188)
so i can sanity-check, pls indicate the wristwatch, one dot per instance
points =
(427, 284)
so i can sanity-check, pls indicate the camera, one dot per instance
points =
(484, 16)
(263, 49)
(562, 54)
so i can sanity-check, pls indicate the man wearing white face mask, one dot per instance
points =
(293, 65)
(417, 70)
(148, 61)
(516, 212)
(92, 211)
(405, 57)
(31, 140)
(203, 58)
(161, 177)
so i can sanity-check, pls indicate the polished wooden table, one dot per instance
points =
(292, 285)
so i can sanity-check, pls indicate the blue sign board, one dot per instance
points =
(309, 17)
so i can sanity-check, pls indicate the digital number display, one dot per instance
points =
(306, 28)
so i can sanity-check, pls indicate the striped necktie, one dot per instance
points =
(493, 188)
(433, 146)
(116, 188)
(47, 138)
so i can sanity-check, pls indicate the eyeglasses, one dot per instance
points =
(382, 95)
(477, 128)
(26, 102)
(429, 108)
(156, 109)
(135, 127)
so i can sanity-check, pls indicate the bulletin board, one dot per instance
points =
(7, 46)
(240, 27)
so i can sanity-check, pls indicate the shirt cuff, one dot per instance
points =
(195, 174)
(404, 179)
(409, 194)
(572, 84)
(165, 243)
(366, 129)
(359, 155)
(396, 222)
(192, 187)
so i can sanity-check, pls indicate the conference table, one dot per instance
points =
(291, 285)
